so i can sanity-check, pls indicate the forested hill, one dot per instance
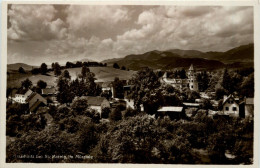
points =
(238, 56)
(164, 60)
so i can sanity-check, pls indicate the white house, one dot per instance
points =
(21, 95)
(230, 106)
(97, 103)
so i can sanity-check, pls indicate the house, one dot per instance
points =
(34, 101)
(230, 106)
(190, 83)
(246, 108)
(174, 112)
(108, 87)
(130, 104)
(21, 95)
(50, 93)
(97, 103)
(127, 90)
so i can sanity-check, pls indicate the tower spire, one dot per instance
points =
(191, 68)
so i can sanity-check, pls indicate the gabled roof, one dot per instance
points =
(95, 101)
(170, 109)
(106, 84)
(31, 96)
(47, 91)
(35, 105)
(227, 98)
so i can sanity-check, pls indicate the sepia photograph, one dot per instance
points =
(135, 84)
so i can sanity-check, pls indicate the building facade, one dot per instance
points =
(190, 83)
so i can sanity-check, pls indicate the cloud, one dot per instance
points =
(87, 21)
(34, 22)
(74, 32)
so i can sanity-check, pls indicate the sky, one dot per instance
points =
(61, 33)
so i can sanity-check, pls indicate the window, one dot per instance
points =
(227, 109)
(234, 109)
(191, 86)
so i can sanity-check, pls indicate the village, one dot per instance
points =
(110, 96)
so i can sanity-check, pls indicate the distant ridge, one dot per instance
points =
(174, 58)
(16, 66)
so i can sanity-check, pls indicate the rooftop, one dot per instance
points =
(191, 104)
(96, 101)
(47, 91)
(171, 109)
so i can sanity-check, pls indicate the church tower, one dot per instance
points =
(193, 83)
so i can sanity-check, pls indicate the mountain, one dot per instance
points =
(188, 53)
(16, 66)
(174, 58)
(164, 60)
(244, 53)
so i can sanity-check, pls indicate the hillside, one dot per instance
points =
(16, 66)
(188, 53)
(174, 58)
(243, 53)
(101, 73)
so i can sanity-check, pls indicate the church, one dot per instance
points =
(190, 83)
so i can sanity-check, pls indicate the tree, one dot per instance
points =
(206, 104)
(48, 142)
(182, 74)
(65, 94)
(35, 70)
(145, 82)
(123, 68)
(69, 65)
(57, 69)
(247, 87)
(226, 81)
(116, 66)
(203, 81)
(116, 114)
(141, 139)
(41, 84)
(169, 96)
(43, 68)
(66, 74)
(105, 112)
(79, 105)
(118, 88)
(84, 71)
(220, 92)
(26, 83)
(21, 70)
(78, 64)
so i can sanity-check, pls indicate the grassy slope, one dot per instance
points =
(102, 74)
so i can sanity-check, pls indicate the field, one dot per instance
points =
(102, 74)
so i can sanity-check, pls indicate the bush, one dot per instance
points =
(79, 105)
(105, 112)
(115, 115)
(21, 70)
